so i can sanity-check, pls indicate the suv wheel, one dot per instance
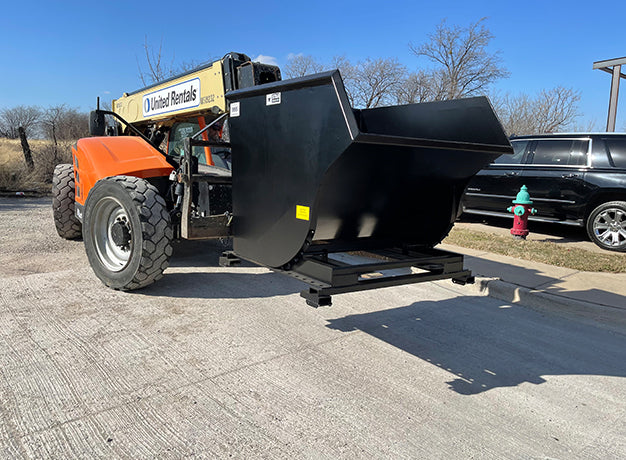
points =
(606, 226)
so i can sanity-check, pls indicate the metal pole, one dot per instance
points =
(610, 124)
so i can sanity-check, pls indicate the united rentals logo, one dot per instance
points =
(176, 97)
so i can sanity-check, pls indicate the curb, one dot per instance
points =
(548, 303)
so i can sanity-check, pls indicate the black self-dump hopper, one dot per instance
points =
(348, 199)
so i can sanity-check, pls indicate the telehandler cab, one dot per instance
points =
(288, 169)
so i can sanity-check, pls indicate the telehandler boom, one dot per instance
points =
(288, 169)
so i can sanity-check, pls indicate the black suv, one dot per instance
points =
(576, 179)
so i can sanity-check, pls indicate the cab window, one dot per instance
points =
(180, 131)
(184, 129)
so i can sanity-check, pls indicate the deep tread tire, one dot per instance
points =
(606, 226)
(146, 219)
(67, 224)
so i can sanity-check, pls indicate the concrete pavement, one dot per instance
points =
(216, 362)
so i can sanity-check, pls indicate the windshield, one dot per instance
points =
(185, 129)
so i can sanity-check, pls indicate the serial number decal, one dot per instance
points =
(272, 99)
(235, 109)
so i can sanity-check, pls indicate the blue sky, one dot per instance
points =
(71, 52)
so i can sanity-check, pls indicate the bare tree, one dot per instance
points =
(157, 69)
(300, 65)
(60, 123)
(377, 81)
(584, 126)
(549, 111)
(369, 83)
(25, 116)
(462, 60)
(50, 125)
(557, 108)
(28, 156)
(421, 86)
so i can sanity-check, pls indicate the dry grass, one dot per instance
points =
(539, 251)
(15, 176)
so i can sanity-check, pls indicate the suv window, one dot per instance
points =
(617, 147)
(519, 148)
(557, 152)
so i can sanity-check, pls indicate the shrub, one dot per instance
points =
(15, 176)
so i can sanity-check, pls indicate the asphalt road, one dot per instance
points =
(218, 362)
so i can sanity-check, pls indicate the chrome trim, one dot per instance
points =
(573, 223)
(536, 166)
(508, 197)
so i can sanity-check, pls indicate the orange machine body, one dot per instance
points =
(98, 157)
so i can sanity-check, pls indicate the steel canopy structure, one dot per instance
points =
(614, 67)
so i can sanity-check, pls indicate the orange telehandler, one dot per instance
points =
(288, 169)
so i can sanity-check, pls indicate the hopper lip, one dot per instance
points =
(369, 138)
(284, 85)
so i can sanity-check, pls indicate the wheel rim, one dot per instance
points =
(609, 227)
(112, 234)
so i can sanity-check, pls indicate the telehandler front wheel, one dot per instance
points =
(127, 232)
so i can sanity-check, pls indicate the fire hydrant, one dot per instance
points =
(521, 211)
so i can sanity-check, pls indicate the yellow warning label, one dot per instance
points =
(302, 212)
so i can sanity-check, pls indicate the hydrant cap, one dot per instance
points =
(523, 197)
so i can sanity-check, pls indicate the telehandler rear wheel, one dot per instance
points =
(127, 232)
(66, 223)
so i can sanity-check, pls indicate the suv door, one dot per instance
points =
(554, 175)
(494, 187)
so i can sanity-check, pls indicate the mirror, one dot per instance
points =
(97, 123)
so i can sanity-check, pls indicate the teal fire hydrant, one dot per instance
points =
(521, 211)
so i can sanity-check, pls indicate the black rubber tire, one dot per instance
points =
(606, 226)
(142, 211)
(67, 224)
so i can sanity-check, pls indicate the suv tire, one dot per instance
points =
(606, 226)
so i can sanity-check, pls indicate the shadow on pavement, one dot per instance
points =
(227, 285)
(189, 253)
(558, 284)
(487, 344)
(12, 203)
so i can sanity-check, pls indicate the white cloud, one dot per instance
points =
(271, 60)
